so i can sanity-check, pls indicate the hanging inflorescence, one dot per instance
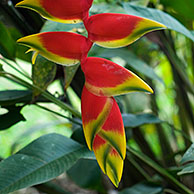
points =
(102, 121)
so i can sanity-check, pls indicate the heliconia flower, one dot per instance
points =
(65, 11)
(64, 48)
(113, 30)
(105, 78)
(104, 133)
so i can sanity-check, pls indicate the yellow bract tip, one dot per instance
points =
(31, 4)
(34, 56)
(19, 4)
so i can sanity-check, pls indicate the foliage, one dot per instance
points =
(158, 127)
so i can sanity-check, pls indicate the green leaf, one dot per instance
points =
(78, 136)
(158, 16)
(87, 174)
(188, 161)
(70, 72)
(143, 188)
(187, 169)
(11, 118)
(11, 97)
(132, 120)
(42, 160)
(7, 44)
(189, 155)
(132, 61)
(43, 73)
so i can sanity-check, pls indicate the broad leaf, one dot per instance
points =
(132, 120)
(43, 73)
(158, 16)
(42, 160)
(188, 161)
(11, 97)
(143, 188)
(86, 173)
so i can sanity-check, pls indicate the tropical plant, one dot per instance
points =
(103, 126)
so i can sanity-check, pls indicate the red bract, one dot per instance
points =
(117, 30)
(105, 78)
(65, 11)
(102, 120)
(104, 133)
(65, 48)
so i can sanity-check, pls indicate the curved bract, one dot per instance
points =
(113, 30)
(104, 133)
(105, 78)
(64, 48)
(68, 11)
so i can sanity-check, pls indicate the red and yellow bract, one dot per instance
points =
(65, 11)
(102, 121)
(104, 133)
(105, 78)
(113, 30)
(64, 48)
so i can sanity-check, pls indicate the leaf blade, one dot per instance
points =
(40, 161)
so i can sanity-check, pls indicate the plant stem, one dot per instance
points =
(72, 120)
(45, 94)
(160, 170)
(22, 73)
(138, 167)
